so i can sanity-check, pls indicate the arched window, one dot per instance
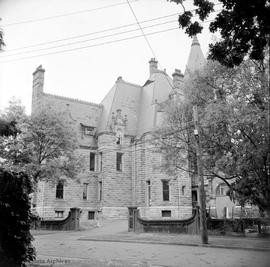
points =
(60, 190)
(221, 190)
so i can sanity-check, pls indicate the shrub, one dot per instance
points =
(15, 220)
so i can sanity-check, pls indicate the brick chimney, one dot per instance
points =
(153, 65)
(178, 78)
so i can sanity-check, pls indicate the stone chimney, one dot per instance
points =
(37, 90)
(178, 78)
(38, 79)
(153, 65)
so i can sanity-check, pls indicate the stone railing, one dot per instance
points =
(189, 225)
(71, 222)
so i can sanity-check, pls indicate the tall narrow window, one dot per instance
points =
(148, 193)
(92, 161)
(119, 138)
(99, 191)
(100, 161)
(60, 190)
(85, 189)
(165, 190)
(119, 163)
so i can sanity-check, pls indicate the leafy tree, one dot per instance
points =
(233, 107)
(244, 26)
(15, 112)
(1, 39)
(44, 148)
(15, 236)
(15, 208)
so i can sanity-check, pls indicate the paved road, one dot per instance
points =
(66, 246)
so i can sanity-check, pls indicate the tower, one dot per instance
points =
(196, 58)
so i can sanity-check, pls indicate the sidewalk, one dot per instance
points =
(230, 242)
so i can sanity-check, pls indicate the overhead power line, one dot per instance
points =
(65, 14)
(88, 46)
(91, 33)
(95, 32)
(87, 40)
(146, 39)
(141, 28)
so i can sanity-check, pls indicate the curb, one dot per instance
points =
(173, 243)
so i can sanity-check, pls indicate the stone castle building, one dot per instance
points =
(114, 137)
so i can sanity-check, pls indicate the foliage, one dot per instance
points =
(44, 148)
(1, 39)
(15, 112)
(7, 128)
(233, 107)
(244, 27)
(15, 236)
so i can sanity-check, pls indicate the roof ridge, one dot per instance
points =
(134, 84)
(73, 99)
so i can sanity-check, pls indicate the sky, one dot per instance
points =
(86, 64)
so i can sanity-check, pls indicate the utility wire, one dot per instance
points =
(147, 41)
(141, 28)
(96, 32)
(65, 14)
(95, 45)
(88, 46)
(87, 40)
(91, 33)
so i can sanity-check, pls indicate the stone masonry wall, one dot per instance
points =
(116, 184)
(148, 162)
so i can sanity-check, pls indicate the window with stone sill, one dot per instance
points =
(92, 161)
(85, 190)
(100, 191)
(119, 137)
(88, 130)
(148, 193)
(91, 215)
(119, 161)
(165, 190)
(60, 190)
(59, 213)
(166, 213)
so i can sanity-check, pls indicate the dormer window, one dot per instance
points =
(87, 130)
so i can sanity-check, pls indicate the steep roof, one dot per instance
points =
(196, 58)
(156, 90)
(124, 96)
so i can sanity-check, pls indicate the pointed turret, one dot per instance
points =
(196, 58)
